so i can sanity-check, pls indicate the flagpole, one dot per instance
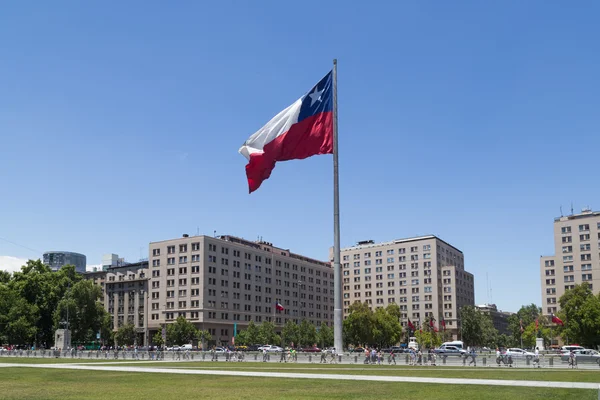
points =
(337, 271)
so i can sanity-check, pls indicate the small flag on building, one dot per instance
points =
(410, 325)
(279, 307)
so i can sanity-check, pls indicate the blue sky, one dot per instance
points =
(475, 121)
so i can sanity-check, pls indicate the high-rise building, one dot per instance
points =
(56, 259)
(424, 275)
(222, 283)
(576, 259)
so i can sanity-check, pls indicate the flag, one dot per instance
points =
(432, 322)
(443, 323)
(278, 306)
(536, 324)
(302, 130)
(521, 323)
(557, 320)
(410, 325)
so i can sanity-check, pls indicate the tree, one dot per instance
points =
(307, 334)
(525, 316)
(266, 333)
(204, 337)
(477, 329)
(325, 335)
(358, 325)
(290, 333)
(82, 310)
(125, 336)
(252, 333)
(157, 339)
(580, 312)
(181, 332)
(18, 318)
(386, 329)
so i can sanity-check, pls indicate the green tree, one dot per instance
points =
(181, 332)
(204, 337)
(157, 339)
(107, 335)
(358, 325)
(525, 316)
(477, 329)
(18, 318)
(85, 313)
(386, 329)
(267, 335)
(290, 333)
(125, 335)
(580, 312)
(252, 334)
(308, 334)
(325, 335)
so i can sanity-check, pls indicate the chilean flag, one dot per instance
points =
(410, 325)
(302, 130)
(279, 307)
(557, 320)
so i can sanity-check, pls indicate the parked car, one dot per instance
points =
(173, 348)
(582, 356)
(311, 350)
(358, 350)
(519, 353)
(242, 348)
(449, 350)
(219, 350)
(270, 348)
(253, 347)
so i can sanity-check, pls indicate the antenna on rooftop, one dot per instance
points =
(571, 208)
(561, 213)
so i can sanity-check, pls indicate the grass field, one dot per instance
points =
(530, 374)
(26, 383)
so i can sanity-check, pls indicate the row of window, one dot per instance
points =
(582, 228)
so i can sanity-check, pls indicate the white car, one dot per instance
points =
(519, 353)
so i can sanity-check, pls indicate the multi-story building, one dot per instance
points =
(424, 275)
(56, 259)
(499, 318)
(125, 295)
(222, 283)
(576, 259)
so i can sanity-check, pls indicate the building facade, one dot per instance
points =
(576, 259)
(125, 296)
(222, 283)
(56, 259)
(425, 276)
(499, 318)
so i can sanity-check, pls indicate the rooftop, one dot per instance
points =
(585, 213)
(369, 244)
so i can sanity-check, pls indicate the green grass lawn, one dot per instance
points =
(26, 383)
(20, 360)
(561, 375)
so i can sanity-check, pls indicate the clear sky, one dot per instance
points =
(475, 121)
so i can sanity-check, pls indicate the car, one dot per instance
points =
(220, 350)
(449, 350)
(358, 350)
(270, 348)
(582, 356)
(173, 348)
(310, 350)
(519, 353)
(253, 347)
(242, 348)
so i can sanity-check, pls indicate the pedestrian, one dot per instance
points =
(473, 355)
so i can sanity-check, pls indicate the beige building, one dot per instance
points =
(576, 259)
(219, 283)
(499, 317)
(125, 295)
(425, 276)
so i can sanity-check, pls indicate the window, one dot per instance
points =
(156, 263)
(567, 249)
(586, 277)
(170, 249)
(566, 239)
(182, 259)
(171, 261)
(584, 238)
(566, 268)
(567, 258)
(156, 252)
(547, 263)
(584, 228)
(586, 257)
(585, 247)
(569, 278)
(183, 248)
(586, 267)
(565, 229)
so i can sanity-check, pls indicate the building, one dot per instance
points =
(222, 283)
(56, 259)
(111, 261)
(424, 275)
(499, 318)
(576, 259)
(125, 295)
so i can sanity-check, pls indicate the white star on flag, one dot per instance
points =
(314, 96)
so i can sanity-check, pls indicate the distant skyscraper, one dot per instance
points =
(56, 259)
